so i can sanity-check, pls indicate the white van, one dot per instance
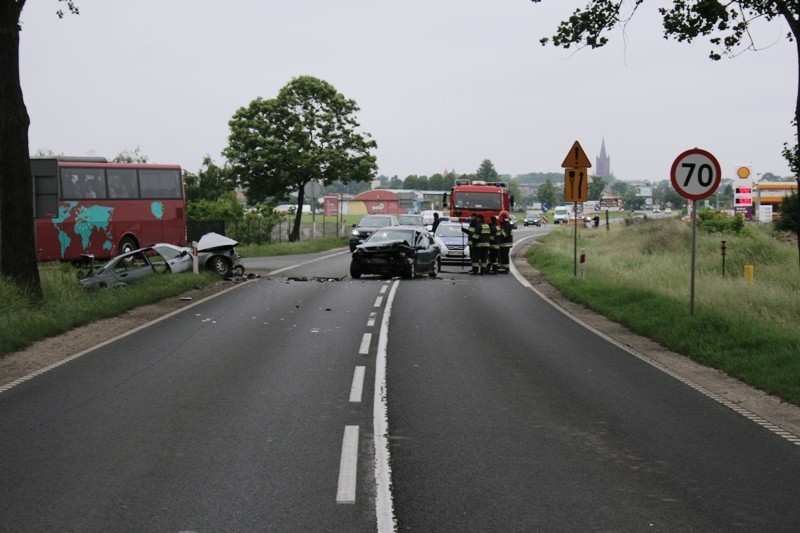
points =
(561, 215)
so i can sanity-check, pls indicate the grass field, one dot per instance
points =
(639, 275)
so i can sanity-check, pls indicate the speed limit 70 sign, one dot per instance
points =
(695, 174)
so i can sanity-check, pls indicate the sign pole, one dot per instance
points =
(695, 175)
(694, 255)
(575, 241)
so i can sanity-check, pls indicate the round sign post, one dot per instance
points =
(695, 175)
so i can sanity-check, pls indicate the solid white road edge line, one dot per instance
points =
(384, 507)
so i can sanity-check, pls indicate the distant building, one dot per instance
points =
(603, 163)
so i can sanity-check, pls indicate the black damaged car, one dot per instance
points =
(403, 251)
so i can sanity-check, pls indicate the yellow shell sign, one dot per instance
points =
(743, 172)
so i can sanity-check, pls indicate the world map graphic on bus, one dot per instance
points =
(88, 220)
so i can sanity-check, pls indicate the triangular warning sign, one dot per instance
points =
(576, 158)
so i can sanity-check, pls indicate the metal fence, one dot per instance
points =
(265, 232)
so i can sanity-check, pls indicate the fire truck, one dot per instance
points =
(468, 197)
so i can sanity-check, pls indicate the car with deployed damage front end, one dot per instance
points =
(369, 223)
(215, 253)
(397, 251)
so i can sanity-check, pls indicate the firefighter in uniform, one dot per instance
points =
(494, 245)
(506, 241)
(484, 238)
(473, 232)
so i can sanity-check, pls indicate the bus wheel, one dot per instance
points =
(127, 244)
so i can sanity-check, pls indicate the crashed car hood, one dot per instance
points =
(385, 245)
(212, 240)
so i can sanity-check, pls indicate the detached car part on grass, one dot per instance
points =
(402, 251)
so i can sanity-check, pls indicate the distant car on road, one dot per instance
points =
(668, 211)
(397, 251)
(532, 219)
(427, 216)
(367, 225)
(513, 220)
(411, 220)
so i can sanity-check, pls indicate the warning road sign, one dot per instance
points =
(576, 158)
(576, 186)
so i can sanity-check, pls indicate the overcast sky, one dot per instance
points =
(441, 84)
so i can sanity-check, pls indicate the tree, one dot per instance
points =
(17, 236)
(131, 156)
(788, 221)
(486, 172)
(726, 24)
(547, 194)
(596, 188)
(619, 188)
(210, 182)
(225, 207)
(307, 132)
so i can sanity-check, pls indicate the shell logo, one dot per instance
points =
(743, 172)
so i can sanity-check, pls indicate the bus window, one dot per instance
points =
(160, 183)
(45, 189)
(83, 183)
(122, 183)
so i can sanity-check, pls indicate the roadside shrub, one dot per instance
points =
(712, 221)
(787, 221)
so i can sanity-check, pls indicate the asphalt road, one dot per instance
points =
(263, 409)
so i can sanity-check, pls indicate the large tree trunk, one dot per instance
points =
(294, 236)
(17, 242)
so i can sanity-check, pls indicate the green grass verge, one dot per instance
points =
(639, 276)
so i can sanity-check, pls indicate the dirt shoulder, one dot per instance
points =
(730, 391)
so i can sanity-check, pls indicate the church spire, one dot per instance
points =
(603, 167)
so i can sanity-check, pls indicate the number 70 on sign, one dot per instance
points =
(695, 174)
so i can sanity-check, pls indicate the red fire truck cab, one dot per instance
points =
(488, 199)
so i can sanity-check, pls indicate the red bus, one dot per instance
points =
(90, 206)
